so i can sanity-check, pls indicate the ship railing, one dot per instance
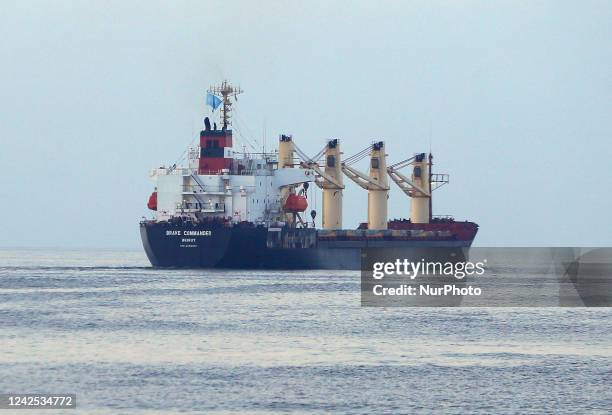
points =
(251, 155)
(180, 171)
(252, 172)
(233, 172)
(363, 234)
(200, 207)
(443, 217)
(196, 188)
(186, 171)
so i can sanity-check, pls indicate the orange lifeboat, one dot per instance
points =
(295, 203)
(152, 204)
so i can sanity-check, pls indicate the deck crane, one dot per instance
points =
(292, 202)
(419, 186)
(328, 178)
(375, 183)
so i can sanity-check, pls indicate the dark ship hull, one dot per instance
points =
(215, 245)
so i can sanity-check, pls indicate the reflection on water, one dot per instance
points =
(130, 339)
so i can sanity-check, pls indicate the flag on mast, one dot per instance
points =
(213, 100)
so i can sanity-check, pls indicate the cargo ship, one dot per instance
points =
(232, 209)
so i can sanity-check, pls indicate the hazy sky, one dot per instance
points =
(515, 96)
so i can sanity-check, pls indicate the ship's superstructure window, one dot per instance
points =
(212, 152)
(212, 143)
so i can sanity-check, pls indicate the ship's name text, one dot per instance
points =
(188, 233)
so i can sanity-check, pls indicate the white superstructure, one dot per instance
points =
(254, 195)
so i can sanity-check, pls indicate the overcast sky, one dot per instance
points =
(515, 99)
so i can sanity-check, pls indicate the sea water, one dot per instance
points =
(130, 339)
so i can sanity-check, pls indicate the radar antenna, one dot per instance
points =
(226, 91)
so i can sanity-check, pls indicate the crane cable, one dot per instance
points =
(358, 156)
(301, 154)
(401, 164)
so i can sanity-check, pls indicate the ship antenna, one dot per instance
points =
(430, 136)
(264, 137)
(226, 91)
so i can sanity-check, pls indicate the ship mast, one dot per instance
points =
(226, 91)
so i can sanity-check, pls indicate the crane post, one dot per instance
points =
(332, 192)
(378, 197)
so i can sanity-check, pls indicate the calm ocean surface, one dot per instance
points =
(128, 339)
